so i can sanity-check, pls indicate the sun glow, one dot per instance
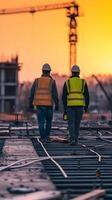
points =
(43, 37)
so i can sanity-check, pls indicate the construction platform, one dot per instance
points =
(32, 170)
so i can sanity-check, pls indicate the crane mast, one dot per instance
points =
(72, 13)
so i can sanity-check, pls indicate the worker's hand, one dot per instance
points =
(56, 108)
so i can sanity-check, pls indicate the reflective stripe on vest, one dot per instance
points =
(43, 94)
(75, 89)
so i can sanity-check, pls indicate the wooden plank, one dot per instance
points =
(90, 195)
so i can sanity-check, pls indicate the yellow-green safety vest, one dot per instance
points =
(75, 89)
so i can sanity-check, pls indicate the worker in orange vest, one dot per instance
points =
(43, 95)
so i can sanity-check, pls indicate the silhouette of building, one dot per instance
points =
(9, 85)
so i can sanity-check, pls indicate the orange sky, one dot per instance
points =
(43, 37)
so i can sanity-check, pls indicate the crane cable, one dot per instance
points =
(91, 150)
(56, 163)
(102, 138)
(35, 160)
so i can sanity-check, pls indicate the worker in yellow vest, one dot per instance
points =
(43, 95)
(75, 99)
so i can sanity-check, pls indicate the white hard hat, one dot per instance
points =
(46, 67)
(75, 68)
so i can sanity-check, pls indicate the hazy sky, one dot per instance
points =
(43, 37)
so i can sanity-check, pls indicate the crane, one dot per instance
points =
(72, 14)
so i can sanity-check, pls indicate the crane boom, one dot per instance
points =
(38, 8)
(103, 89)
(72, 13)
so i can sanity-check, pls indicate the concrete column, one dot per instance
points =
(2, 105)
(17, 97)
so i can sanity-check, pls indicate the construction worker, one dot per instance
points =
(43, 94)
(75, 99)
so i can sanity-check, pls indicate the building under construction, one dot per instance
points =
(9, 85)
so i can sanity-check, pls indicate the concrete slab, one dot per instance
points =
(32, 176)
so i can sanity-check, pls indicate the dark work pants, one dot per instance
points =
(44, 116)
(74, 119)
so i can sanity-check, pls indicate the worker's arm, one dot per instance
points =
(64, 96)
(32, 91)
(55, 95)
(86, 95)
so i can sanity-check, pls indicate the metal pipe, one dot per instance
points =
(56, 163)
(43, 158)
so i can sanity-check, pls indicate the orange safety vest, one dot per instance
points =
(43, 95)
